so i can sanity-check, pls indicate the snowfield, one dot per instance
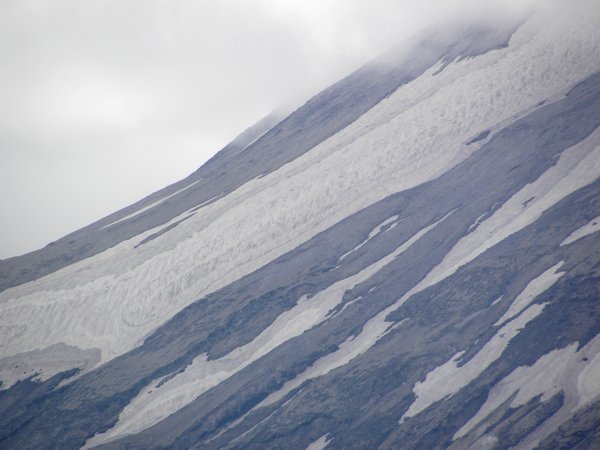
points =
(102, 307)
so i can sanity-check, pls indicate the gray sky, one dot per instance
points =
(105, 101)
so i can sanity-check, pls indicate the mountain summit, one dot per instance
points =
(409, 260)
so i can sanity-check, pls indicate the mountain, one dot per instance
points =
(408, 260)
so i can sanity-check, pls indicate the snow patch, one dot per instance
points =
(535, 287)
(54, 360)
(391, 221)
(373, 330)
(449, 378)
(477, 222)
(160, 399)
(114, 299)
(577, 167)
(592, 227)
(573, 372)
(146, 208)
(320, 443)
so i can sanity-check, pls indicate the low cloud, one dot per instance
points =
(105, 101)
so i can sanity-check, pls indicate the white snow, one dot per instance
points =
(319, 444)
(535, 287)
(588, 382)
(592, 227)
(256, 426)
(57, 358)
(206, 202)
(568, 370)
(239, 420)
(152, 205)
(113, 300)
(485, 442)
(498, 300)
(390, 220)
(373, 330)
(155, 402)
(577, 167)
(477, 222)
(449, 378)
(346, 352)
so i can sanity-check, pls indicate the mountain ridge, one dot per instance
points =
(397, 285)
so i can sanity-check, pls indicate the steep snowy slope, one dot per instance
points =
(409, 260)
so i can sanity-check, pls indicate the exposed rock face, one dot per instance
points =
(409, 260)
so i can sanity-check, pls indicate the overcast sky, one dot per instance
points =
(103, 102)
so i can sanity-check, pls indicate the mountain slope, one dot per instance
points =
(409, 260)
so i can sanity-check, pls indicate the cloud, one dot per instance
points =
(121, 97)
